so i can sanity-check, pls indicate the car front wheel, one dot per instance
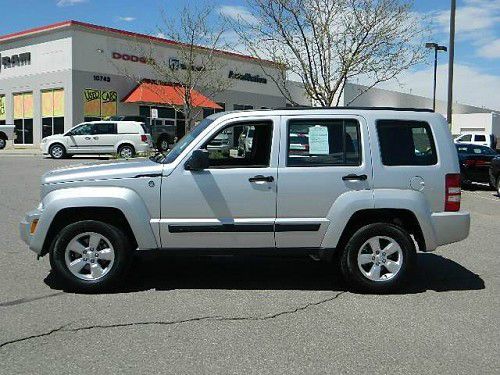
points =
(378, 258)
(90, 255)
(57, 151)
(498, 186)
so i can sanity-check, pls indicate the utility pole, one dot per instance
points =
(451, 60)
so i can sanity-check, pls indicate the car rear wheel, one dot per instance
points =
(57, 151)
(378, 258)
(90, 255)
(498, 186)
(126, 151)
(3, 143)
(163, 144)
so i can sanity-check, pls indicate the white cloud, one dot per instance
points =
(160, 35)
(476, 22)
(126, 19)
(471, 86)
(490, 50)
(67, 3)
(237, 13)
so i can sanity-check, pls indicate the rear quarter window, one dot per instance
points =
(404, 142)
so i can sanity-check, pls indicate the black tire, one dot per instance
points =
(126, 151)
(3, 142)
(57, 151)
(498, 186)
(349, 260)
(163, 144)
(122, 255)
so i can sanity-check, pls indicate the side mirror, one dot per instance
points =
(198, 161)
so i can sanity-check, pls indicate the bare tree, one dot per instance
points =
(324, 43)
(198, 64)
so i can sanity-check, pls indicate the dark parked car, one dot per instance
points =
(495, 173)
(163, 132)
(475, 162)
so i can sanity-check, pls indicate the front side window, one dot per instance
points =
(323, 142)
(84, 129)
(242, 145)
(466, 138)
(405, 142)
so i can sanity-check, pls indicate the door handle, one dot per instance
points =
(261, 178)
(87, 138)
(355, 177)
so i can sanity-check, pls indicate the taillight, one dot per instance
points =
(453, 192)
(469, 163)
(144, 137)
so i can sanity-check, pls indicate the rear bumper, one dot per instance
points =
(450, 227)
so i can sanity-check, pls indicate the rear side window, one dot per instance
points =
(406, 143)
(105, 128)
(480, 138)
(325, 142)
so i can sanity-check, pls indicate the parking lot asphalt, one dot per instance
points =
(247, 314)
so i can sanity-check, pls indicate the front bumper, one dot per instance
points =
(450, 227)
(25, 229)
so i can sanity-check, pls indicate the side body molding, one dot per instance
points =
(123, 199)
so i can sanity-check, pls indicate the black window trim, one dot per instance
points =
(429, 131)
(358, 131)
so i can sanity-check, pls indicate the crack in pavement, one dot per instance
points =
(216, 318)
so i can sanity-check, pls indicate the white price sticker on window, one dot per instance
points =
(318, 140)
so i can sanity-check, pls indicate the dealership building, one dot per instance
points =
(56, 76)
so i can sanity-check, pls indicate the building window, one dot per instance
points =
(23, 118)
(99, 104)
(242, 107)
(52, 112)
(3, 115)
(210, 111)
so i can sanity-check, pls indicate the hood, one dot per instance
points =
(52, 137)
(99, 172)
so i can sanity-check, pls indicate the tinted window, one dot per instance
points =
(323, 143)
(406, 143)
(245, 152)
(466, 138)
(105, 128)
(84, 129)
(480, 138)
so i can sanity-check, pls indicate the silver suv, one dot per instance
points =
(370, 189)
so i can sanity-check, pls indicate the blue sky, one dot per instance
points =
(477, 49)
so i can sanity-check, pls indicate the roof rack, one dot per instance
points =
(359, 108)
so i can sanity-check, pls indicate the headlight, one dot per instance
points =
(40, 206)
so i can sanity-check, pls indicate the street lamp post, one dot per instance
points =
(451, 56)
(436, 48)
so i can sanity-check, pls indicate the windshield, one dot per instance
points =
(186, 140)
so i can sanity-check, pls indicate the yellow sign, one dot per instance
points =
(92, 102)
(2, 108)
(108, 103)
(28, 105)
(18, 106)
(97, 103)
(59, 103)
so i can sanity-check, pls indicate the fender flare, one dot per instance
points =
(126, 200)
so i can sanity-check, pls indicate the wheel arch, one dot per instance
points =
(403, 218)
(3, 136)
(115, 205)
(70, 215)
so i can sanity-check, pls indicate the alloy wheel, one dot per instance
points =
(57, 152)
(126, 152)
(380, 258)
(2, 143)
(89, 256)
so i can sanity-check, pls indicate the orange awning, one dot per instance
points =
(167, 94)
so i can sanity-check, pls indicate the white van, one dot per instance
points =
(477, 138)
(126, 138)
